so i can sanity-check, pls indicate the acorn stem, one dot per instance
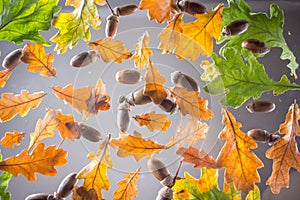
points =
(177, 172)
(110, 8)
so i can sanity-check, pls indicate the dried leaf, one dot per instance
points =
(135, 145)
(38, 60)
(153, 121)
(80, 193)
(128, 187)
(285, 153)
(10, 139)
(200, 158)
(142, 52)
(11, 105)
(4, 76)
(254, 194)
(160, 10)
(190, 103)
(154, 84)
(193, 131)
(67, 127)
(41, 161)
(241, 164)
(111, 51)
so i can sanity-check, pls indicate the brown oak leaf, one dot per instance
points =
(10, 139)
(4, 76)
(153, 121)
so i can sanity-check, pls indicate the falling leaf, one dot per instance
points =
(38, 60)
(142, 52)
(41, 161)
(193, 131)
(170, 35)
(200, 158)
(285, 153)
(241, 164)
(154, 84)
(75, 25)
(5, 177)
(230, 190)
(160, 10)
(22, 19)
(127, 188)
(238, 80)
(111, 50)
(80, 193)
(254, 194)
(153, 121)
(11, 105)
(67, 127)
(4, 76)
(135, 145)
(10, 139)
(190, 103)
(262, 27)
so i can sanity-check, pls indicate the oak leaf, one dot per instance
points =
(11, 105)
(127, 188)
(5, 178)
(200, 158)
(253, 194)
(240, 162)
(193, 131)
(80, 193)
(154, 84)
(4, 76)
(285, 153)
(38, 60)
(153, 121)
(190, 103)
(230, 190)
(160, 10)
(142, 52)
(67, 127)
(10, 139)
(42, 160)
(111, 50)
(135, 145)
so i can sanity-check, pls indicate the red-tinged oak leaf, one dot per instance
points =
(127, 188)
(190, 103)
(239, 161)
(38, 60)
(67, 127)
(11, 139)
(11, 105)
(153, 121)
(142, 52)
(285, 153)
(42, 160)
(4, 76)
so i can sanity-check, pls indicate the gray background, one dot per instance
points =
(130, 29)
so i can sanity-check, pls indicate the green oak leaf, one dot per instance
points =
(253, 194)
(4, 180)
(75, 25)
(242, 77)
(261, 27)
(23, 19)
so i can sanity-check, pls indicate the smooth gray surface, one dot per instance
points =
(130, 29)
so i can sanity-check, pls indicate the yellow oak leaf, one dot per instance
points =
(239, 161)
(11, 105)
(285, 153)
(190, 103)
(38, 60)
(111, 50)
(142, 52)
(160, 10)
(127, 188)
(4, 76)
(42, 160)
(153, 121)
(154, 85)
(10, 139)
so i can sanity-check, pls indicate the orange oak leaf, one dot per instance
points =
(4, 76)
(38, 60)
(154, 85)
(160, 10)
(197, 36)
(193, 131)
(190, 103)
(127, 188)
(111, 50)
(153, 121)
(10, 139)
(285, 153)
(80, 193)
(42, 160)
(11, 105)
(142, 52)
(67, 127)
(198, 158)
(240, 162)
(170, 35)
(135, 145)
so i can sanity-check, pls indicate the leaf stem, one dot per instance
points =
(111, 10)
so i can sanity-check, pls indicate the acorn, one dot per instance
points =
(158, 169)
(256, 46)
(66, 186)
(168, 106)
(182, 80)
(84, 59)
(138, 98)
(128, 76)
(125, 10)
(13, 59)
(89, 133)
(123, 114)
(111, 28)
(191, 8)
(38, 196)
(260, 106)
(235, 28)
